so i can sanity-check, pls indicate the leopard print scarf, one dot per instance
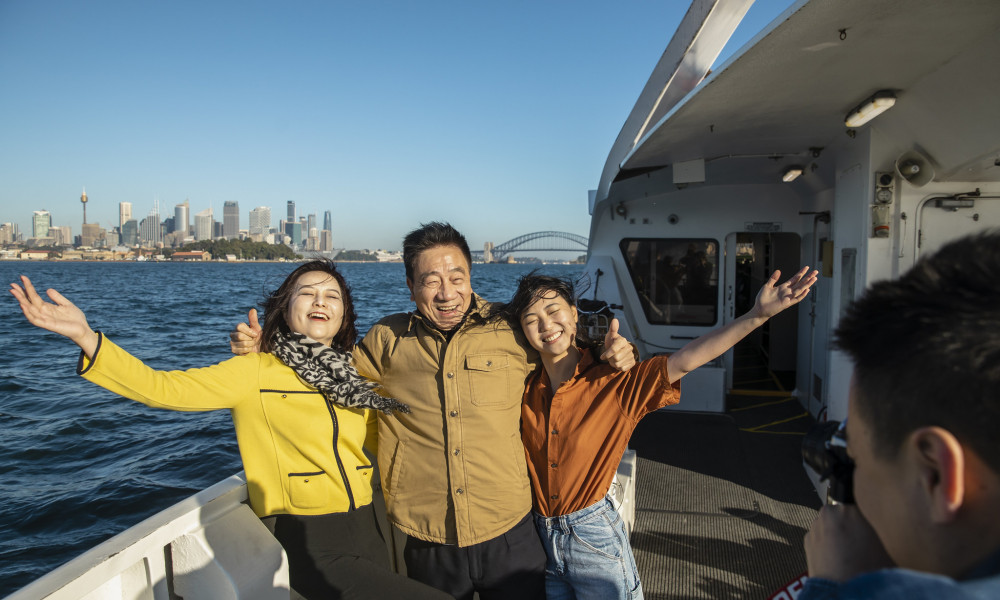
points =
(330, 371)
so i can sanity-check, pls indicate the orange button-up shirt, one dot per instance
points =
(576, 436)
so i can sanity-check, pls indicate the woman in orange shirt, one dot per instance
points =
(576, 420)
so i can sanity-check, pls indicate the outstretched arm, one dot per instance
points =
(60, 316)
(771, 300)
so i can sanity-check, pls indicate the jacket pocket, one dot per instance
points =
(397, 469)
(489, 380)
(309, 490)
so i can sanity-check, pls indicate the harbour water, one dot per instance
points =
(79, 464)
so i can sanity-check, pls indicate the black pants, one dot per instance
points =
(341, 555)
(511, 566)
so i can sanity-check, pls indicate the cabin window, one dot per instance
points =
(677, 280)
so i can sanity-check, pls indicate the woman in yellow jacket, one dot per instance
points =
(302, 414)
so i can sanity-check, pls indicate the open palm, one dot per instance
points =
(60, 316)
(773, 298)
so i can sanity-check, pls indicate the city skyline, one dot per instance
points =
(485, 116)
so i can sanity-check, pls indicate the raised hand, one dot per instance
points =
(246, 337)
(617, 350)
(772, 299)
(59, 316)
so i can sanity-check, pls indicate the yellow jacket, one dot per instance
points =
(453, 469)
(302, 456)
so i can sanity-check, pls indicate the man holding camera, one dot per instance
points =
(923, 431)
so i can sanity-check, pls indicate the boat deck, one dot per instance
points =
(722, 500)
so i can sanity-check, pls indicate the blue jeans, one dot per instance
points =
(588, 555)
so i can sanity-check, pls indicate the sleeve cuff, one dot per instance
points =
(83, 364)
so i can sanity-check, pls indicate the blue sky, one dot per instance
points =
(496, 116)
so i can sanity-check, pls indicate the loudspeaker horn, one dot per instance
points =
(915, 168)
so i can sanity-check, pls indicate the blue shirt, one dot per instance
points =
(902, 584)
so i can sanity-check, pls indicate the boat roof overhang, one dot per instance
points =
(788, 90)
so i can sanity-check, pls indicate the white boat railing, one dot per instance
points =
(210, 545)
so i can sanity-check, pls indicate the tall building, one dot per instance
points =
(291, 211)
(327, 221)
(260, 220)
(90, 234)
(130, 233)
(8, 234)
(124, 213)
(149, 228)
(325, 240)
(231, 219)
(203, 225)
(61, 236)
(182, 218)
(41, 220)
(311, 223)
(294, 231)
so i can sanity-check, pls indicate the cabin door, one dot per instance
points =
(766, 359)
(939, 226)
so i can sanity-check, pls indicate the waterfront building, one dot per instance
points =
(203, 225)
(41, 220)
(182, 218)
(311, 224)
(231, 219)
(124, 213)
(325, 240)
(197, 255)
(260, 221)
(291, 211)
(327, 220)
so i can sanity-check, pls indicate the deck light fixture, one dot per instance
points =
(791, 174)
(877, 104)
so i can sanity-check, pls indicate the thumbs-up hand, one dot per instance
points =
(246, 337)
(618, 351)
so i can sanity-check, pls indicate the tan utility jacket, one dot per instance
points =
(453, 469)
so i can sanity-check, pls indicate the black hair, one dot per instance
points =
(926, 348)
(430, 235)
(276, 303)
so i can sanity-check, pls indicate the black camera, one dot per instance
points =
(824, 450)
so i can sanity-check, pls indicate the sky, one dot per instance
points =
(494, 116)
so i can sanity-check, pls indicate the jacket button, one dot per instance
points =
(554, 465)
(554, 496)
(450, 375)
(284, 395)
(453, 413)
(555, 432)
(456, 452)
(459, 491)
(489, 363)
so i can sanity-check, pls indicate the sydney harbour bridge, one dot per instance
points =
(540, 241)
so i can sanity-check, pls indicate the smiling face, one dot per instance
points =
(550, 323)
(316, 306)
(441, 286)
